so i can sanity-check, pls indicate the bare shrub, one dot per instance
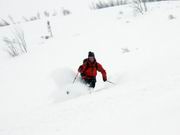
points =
(139, 6)
(125, 50)
(32, 18)
(11, 19)
(25, 19)
(11, 49)
(66, 12)
(171, 17)
(16, 44)
(104, 4)
(3, 22)
(46, 14)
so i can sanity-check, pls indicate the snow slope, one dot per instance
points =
(140, 54)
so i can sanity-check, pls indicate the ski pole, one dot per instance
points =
(111, 82)
(67, 92)
(75, 77)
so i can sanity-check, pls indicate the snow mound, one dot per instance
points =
(66, 89)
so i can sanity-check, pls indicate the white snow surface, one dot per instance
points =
(140, 54)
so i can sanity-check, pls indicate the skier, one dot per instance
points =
(89, 68)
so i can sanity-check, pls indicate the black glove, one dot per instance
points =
(104, 79)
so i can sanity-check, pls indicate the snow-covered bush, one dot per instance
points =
(104, 4)
(171, 17)
(32, 18)
(125, 50)
(11, 19)
(66, 12)
(46, 14)
(16, 44)
(139, 6)
(3, 22)
(11, 47)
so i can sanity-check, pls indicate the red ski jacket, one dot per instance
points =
(89, 69)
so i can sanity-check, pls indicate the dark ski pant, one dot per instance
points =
(91, 81)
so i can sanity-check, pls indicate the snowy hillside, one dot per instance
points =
(139, 52)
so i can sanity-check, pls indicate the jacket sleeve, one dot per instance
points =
(102, 70)
(83, 66)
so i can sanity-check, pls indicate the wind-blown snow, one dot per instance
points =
(140, 54)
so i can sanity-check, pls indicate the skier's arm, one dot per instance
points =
(81, 68)
(103, 71)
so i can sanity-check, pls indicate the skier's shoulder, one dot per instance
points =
(98, 64)
(85, 61)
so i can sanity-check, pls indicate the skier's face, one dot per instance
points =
(91, 59)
